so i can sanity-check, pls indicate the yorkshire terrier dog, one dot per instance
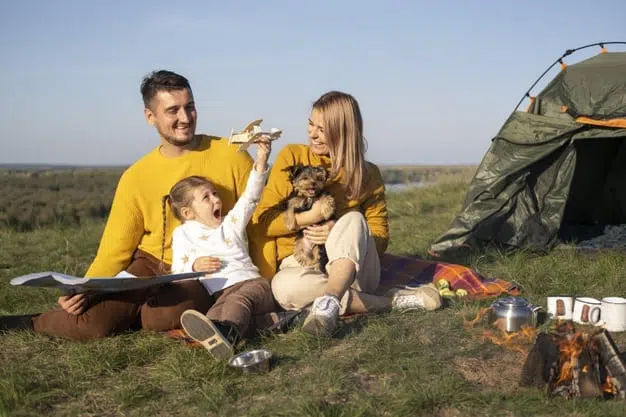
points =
(308, 186)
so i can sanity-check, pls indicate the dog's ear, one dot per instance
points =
(323, 172)
(294, 171)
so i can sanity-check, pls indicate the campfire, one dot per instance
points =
(574, 363)
(566, 362)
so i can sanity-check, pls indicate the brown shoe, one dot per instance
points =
(204, 331)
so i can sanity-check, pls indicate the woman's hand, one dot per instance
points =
(74, 304)
(318, 233)
(207, 264)
(322, 209)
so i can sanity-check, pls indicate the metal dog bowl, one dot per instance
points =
(252, 361)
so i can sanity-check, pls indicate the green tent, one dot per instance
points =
(558, 167)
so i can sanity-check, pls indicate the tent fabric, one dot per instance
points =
(592, 88)
(545, 169)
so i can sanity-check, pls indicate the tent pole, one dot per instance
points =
(559, 60)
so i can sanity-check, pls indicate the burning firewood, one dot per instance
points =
(575, 364)
(565, 362)
(611, 360)
(541, 362)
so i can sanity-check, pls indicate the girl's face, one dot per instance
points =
(316, 133)
(206, 206)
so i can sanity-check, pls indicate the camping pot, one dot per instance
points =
(510, 314)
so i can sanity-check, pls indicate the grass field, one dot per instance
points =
(411, 364)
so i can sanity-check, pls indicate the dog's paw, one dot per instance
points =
(327, 206)
(307, 254)
(290, 220)
(305, 259)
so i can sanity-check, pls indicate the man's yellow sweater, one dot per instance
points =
(136, 217)
(275, 242)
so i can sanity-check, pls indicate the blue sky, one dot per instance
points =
(435, 79)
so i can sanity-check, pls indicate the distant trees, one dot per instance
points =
(426, 174)
(37, 198)
(33, 198)
(401, 176)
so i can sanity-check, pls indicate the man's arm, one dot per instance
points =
(120, 239)
(122, 233)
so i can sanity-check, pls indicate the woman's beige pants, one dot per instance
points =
(295, 287)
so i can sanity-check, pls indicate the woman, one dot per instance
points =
(353, 242)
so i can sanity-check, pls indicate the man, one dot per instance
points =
(138, 232)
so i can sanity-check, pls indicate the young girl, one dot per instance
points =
(209, 242)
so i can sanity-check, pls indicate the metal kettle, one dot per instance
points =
(510, 314)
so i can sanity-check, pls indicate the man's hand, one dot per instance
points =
(207, 264)
(318, 233)
(264, 147)
(75, 304)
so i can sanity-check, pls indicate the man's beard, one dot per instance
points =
(175, 141)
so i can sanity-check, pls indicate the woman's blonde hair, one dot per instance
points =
(343, 128)
(180, 195)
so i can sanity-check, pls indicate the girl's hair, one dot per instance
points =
(343, 128)
(180, 195)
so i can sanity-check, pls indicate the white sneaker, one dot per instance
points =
(324, 315)
(425, 297)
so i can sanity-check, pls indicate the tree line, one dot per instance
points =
(33, 198)
(424, 174)
(39, 197)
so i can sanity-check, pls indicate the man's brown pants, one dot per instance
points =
(158, 308)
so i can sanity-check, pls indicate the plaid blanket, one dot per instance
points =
(413, 271)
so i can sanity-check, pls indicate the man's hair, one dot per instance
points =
(161, 80)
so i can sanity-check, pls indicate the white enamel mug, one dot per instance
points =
(587, 310)
(613, 316)
(560, 307)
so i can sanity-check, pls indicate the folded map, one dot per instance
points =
(121, 282)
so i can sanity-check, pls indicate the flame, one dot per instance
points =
(608, 386)
(514, 340)
(564, 327)
(479, 316)
(570, 348)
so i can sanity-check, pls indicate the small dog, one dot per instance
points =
(308, 186)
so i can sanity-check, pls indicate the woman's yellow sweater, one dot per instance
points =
(136, 217)
(275, 242)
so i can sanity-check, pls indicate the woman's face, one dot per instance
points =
(317, 137)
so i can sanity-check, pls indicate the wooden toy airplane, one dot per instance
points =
(252, 132)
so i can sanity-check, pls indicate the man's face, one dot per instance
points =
(173, 113)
